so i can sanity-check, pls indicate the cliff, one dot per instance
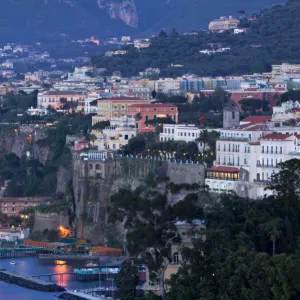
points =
(95, 181)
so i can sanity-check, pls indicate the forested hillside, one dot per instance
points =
(273, 37)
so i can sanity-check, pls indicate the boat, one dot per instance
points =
(13, 262)
(91, 265)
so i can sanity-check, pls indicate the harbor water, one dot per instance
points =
(31, 266)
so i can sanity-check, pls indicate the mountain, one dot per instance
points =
(51, 19)
(273, 38)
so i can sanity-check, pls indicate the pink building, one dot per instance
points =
(52, 98)
(150, 112)
(81, 144)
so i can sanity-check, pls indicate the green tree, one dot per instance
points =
(127, 280)
(150, 224)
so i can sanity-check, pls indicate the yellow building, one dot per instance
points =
(115, 107)
(223, 23)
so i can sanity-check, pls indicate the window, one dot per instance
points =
(123, 107)
(91, 167)
(146, 118)
(154, 109)
(116, 107)
(154, 116)
(271, 149)
(176, 258)
(245, 161)
(173, 131)
(280, 150)
(126, 137)
(97, 166)
(233, 115)
(263, 149)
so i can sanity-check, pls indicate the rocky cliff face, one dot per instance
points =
(124, 10)
(95, 182)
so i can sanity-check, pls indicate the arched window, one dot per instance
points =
(233, 114)
(97, 166)
(91, 167)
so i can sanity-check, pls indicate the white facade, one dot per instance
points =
(164, 85)
(88, 107)
(179, 132)
(246, 158)
(117, 135)
(12, 235)
(182, 132)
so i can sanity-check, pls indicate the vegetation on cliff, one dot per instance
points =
(250, 250)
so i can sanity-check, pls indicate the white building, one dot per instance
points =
(89, 107)
(117, 135)
(182, 132)
(37, 111)
(248, 155)
(12, 235)
(164, 85)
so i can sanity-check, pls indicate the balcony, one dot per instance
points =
(266, 166)
(263, 181)
(221, 178)
(231, 138)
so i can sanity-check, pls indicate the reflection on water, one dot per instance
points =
(63, 279)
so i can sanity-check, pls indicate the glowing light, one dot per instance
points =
(63, 231)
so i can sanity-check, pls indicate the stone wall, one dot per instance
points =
(49, 221)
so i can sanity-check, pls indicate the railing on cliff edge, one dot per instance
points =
(166, 159)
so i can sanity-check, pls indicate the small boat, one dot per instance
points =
(90, 264)
(13, 262)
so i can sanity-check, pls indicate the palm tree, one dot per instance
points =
(203, 138)
(274, 230)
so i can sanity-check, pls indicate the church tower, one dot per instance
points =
(231, 115)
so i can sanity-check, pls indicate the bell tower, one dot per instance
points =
(231, 115)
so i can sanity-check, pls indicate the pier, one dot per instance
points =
(29, 282)
(20, 252)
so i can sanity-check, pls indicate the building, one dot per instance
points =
(231, 115)
(52, 98)
(14, 206)
(179, 132)
(145, 112)
(81, 144)
(192, 85)
(247, 155)
(164, 85)
(270, 95)
(286, 68)
(223, 23)
(117, 135)
(115, 107)
(13, 235)
(90, 103)
(188, 233)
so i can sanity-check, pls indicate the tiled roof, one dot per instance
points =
(59, 93)
(154, 105)
(224, 169)
(276, 136)
(124, 98)
(257, 119)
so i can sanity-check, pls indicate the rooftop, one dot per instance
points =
(59, 93)
(257, 119)
(276, 136)
(153, 105)
(124, 99)
(224, 169)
